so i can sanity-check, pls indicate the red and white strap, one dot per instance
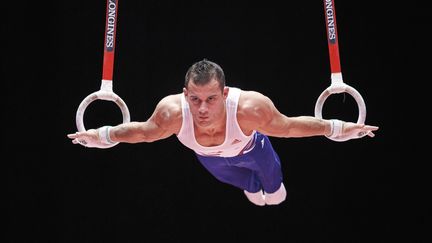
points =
(106, 90)
(337, 85)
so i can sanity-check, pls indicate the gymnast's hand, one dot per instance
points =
(354, 130)
(89, 138)
(343, 131)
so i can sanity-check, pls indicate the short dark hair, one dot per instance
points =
(202, 72)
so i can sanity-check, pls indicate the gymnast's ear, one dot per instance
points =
(225, 92)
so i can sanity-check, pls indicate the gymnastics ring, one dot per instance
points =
(338, 86)
(105, 93)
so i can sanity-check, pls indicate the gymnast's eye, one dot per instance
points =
(211, 99)
(194, 100)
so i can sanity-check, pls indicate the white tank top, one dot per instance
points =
(236, 142)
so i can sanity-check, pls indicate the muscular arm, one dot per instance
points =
(259, 113)
(164, 122)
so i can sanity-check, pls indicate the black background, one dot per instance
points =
(355, 191)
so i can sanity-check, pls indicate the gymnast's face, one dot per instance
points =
(207, 103)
